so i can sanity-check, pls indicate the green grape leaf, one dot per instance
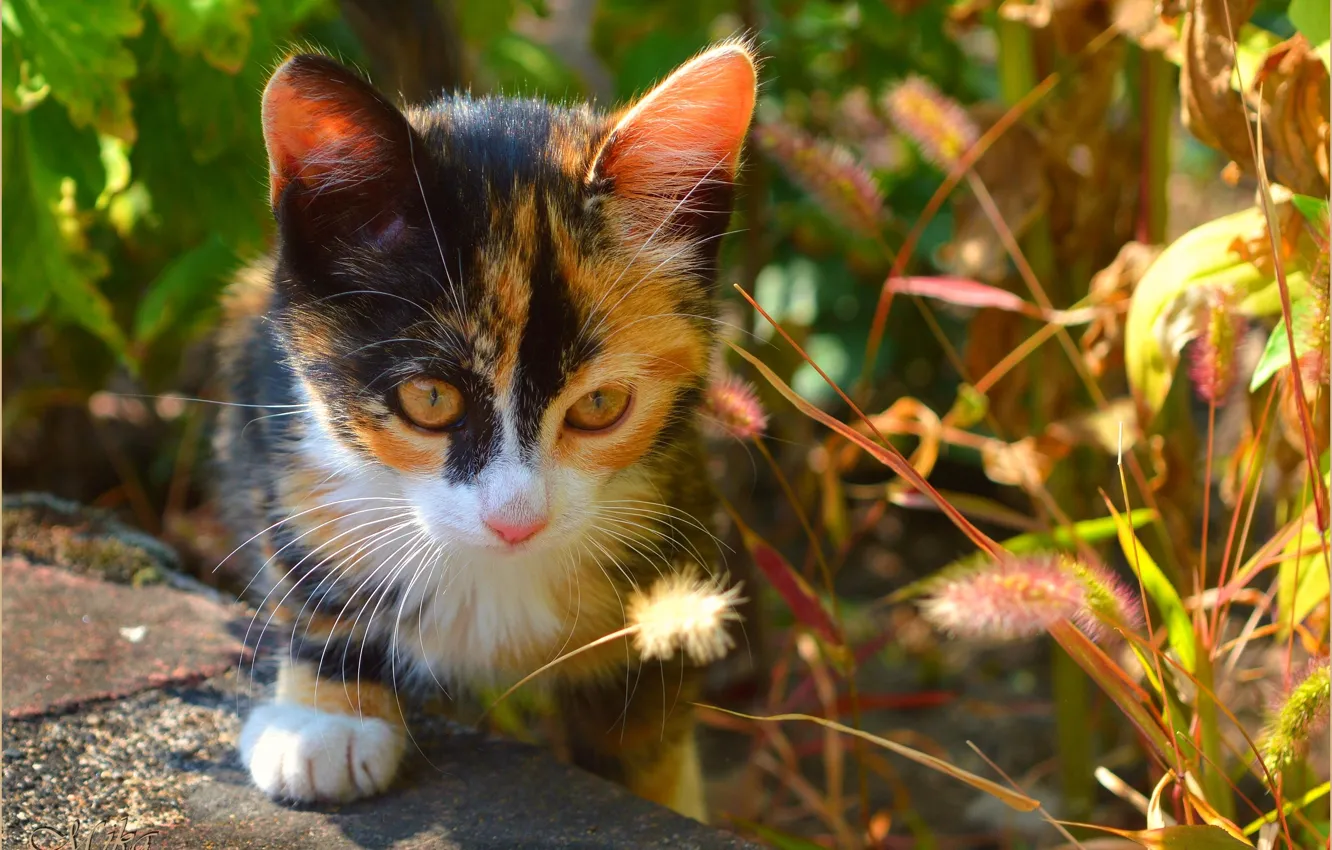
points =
(22, 86)
(78, 49)
(183, 288)
(46, 250)
(219, 30)
(1311, 18)
(1314, 210)
(1276, 356)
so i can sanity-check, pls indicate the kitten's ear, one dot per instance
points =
(339, 153)
(673, 155)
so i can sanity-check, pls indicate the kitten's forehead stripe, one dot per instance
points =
(549, 349)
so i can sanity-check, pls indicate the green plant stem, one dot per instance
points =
(1017, 77)
(1158, 104)
(1212, 769)
(1072, 707)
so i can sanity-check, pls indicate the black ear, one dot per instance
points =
(340, 156)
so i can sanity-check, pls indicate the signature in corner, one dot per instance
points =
(101, 835)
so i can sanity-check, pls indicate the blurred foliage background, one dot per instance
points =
(958, 210)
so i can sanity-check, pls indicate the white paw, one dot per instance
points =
(298, 753)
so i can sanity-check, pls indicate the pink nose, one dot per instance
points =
(515, 531)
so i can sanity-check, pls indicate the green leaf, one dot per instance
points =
(219, 30)
(1310, 17)
(116, 165)
(1088, 531)
(1168, 305)
(1179, 629)
(1276, 355)
(1314, 210)
(78, 49)
(46, 250)
(24, 88)
(1302, 579)
(183, 288)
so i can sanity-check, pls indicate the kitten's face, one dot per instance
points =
(499, 309)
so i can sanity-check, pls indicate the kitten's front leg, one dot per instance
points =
(640, 732)
(323, 740)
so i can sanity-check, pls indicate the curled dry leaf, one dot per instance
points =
(1026, 463)
(906, 416)
(1108, 428)
(1111, 289)
(1289, 93)
(1294, 87)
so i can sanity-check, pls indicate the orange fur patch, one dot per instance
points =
(300, 684)
(396, 445)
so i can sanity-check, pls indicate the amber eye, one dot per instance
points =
(432, 404)
(598, 410)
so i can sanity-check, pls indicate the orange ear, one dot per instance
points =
(685, 135)
(326, 127)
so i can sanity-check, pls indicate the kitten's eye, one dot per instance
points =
(598, 410)
(432, 404)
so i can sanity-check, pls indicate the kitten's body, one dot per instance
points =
(531, 263)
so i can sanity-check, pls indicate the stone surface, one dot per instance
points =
(465, 791)
(69, 639)
(164, 762)
(122, 710)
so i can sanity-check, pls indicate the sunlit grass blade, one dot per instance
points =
(1132, 700)
(1088, 531)
(887, 456)
(1013, 799)
(1313, 796)
(1179, 629)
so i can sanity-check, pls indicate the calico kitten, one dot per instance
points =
(469, 375)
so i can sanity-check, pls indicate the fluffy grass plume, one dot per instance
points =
(1021, 597)
(828, 173)
(1300, 712)
(733, 407)
(684, 612)
(938, 125)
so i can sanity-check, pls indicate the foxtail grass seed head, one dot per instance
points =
(828, 173)
(1300, 712)
(938, 125)
(1110, 602)
(1005, 600)
(733, 406)
(1020, 597)
(1213, 368)
(684, 612)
